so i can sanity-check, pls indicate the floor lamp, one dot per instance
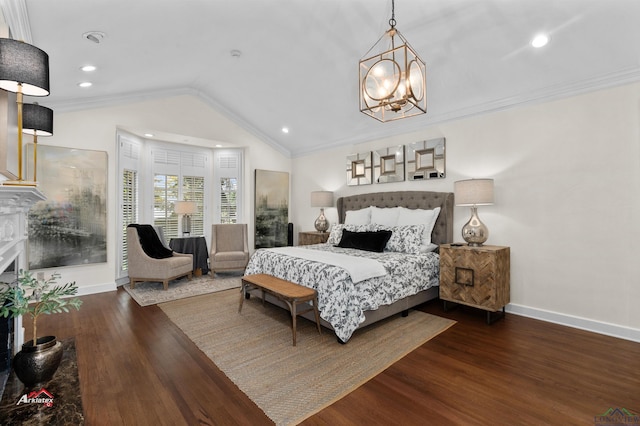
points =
(37, 120)
(24, 70)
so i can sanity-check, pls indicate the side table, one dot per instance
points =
(476, 276)
(197, 246)
(312, 237)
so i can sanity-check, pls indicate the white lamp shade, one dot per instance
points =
(473, 192)
(185, 207)
(321, 199)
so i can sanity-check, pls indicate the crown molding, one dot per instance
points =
(547, 94)
(17, 19)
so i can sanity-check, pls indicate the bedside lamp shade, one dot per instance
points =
(321, 199)
(474, 192)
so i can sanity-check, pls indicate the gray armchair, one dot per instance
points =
(229, 247)
(143, 267)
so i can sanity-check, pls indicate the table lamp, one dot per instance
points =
(321, 199)
(473, 193)
(186, 209)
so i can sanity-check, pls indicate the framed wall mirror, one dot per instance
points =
(426, 159)
(388, 164)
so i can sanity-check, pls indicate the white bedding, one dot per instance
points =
(341, 301)
(358, 268)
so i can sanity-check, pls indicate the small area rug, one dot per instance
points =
(151, 293)
(254, 349)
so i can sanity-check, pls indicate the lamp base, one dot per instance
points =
(19, 183)
(321, 223)
(474, 232)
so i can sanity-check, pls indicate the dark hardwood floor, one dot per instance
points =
(137, 368)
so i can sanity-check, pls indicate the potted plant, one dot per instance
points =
(40, 357)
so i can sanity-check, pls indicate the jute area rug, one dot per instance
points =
(254, 349)
(151, 293)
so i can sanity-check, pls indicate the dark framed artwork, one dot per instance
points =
(272, 208)
(70, 226)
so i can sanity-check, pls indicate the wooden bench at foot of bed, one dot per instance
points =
(290, 293)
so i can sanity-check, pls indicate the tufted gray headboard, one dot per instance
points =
(443, 230)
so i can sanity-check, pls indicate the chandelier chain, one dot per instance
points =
(392, 21)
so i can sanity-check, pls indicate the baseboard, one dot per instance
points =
(599, 327)
(96, 288)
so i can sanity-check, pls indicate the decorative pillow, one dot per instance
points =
(358, 217)
(406, 239)
(385, 216)
(420, 216)
(369, 241)
(336, 231)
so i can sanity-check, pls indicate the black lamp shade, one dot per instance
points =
(37, 118)
(22, 63)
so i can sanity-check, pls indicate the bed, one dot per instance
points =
(348, 299)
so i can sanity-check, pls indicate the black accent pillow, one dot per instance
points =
(150, 242)
(368, 241)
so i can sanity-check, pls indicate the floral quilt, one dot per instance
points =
(341, 302)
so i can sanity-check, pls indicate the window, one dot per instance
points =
(193, 190)
(228, 200)
(129, 207)
(129, 166)
(227, 196)
(165, 194)
(154, 175)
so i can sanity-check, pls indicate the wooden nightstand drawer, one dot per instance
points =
(475, 276)
(312, 237)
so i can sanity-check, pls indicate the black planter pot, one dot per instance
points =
(36, 365)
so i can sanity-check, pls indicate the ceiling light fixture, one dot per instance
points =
(88, 68)
(285, 130)
(85, 84)
(393, 83)
(540, 40)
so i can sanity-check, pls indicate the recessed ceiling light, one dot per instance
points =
(218, 146)
(94, 36)
(88, 68)
(285, 130)
(149, 135)
(540, 40)
(85, 84)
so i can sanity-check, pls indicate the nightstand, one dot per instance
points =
(476, 276)
(312, 237)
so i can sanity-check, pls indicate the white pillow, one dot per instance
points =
(420, 216)
(385, 216)
(358, 217)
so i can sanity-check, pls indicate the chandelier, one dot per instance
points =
(393, 83)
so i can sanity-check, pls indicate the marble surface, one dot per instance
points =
(64, 388)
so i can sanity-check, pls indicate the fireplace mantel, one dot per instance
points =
(15, 202)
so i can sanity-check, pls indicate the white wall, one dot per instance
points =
(183, 115)
(567, 183)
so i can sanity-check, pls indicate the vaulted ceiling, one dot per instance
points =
(298, 59)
